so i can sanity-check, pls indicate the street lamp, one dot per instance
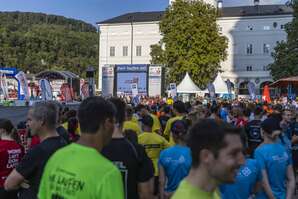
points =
(90, 73)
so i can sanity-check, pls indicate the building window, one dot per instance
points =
(125, 51)
(250, 27)
(265, 68)
(139, 51)
(248, 68)
(266, 49)
(266, 27)
(249, 49)
(282, 26)
(112, 51)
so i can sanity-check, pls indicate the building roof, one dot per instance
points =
(242, 11)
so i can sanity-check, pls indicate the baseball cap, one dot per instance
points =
(147, 120)
(271, 124)
(179, 127)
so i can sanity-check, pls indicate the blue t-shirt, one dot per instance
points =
(275, 160)
(247, 177)
(176, 162)
(224, 114)
(284, 140)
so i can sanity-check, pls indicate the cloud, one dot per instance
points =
(250, 2)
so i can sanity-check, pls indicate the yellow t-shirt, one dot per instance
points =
(156, 124)
(153, 144)
(188, 191)
(167, 131)
(130, 125)
(77, 131)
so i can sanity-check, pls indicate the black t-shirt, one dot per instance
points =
(32, 165)
(253, 132)
(132, 161)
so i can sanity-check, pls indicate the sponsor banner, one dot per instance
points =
(107, 80)
(46, 90)
(21, 77)
(154, 82)
(3, 85)
(173, 90)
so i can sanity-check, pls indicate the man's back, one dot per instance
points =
(132, 161)
(78, 172)
(153, 144)
(33, 163)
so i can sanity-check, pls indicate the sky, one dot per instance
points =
(93, 11)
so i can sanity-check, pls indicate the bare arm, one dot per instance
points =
(13, 181)
(266, 185)
(162, 181)
(290, 182)
(146, 189)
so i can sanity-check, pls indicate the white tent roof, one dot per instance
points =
(187, 86)
(220, 85)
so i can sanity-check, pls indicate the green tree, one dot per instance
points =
(35, 42)
(192, 41)
(286, 52)
(157, 54)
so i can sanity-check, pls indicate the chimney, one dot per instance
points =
(219, 4)
(256, 2)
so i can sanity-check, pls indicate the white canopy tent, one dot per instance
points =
(220, 85)
(187, 86)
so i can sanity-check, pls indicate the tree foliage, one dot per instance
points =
(192, 41)
(35, 42)
(286, 52)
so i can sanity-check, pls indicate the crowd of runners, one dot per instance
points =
(158, 149)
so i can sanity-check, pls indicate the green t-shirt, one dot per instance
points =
(188, 191)
(79, 172)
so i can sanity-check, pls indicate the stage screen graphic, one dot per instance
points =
(131, 74)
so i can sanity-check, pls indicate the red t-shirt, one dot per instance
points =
(10, 156)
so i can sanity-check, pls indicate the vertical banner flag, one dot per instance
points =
(46, 90)
(266, 94)
(211, 90)
(229, 86)
(3, 85)
(252, 90)
(21, 77)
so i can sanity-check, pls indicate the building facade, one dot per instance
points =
(252, 32)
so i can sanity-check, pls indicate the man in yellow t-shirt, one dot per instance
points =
(179, 111)
(129, 124)
(143, 110)
(216, 150)
(153, 144)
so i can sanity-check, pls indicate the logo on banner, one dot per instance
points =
(173, 90)
(46, 90)
(21, 77)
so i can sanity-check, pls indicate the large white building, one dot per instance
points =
(252, 31)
